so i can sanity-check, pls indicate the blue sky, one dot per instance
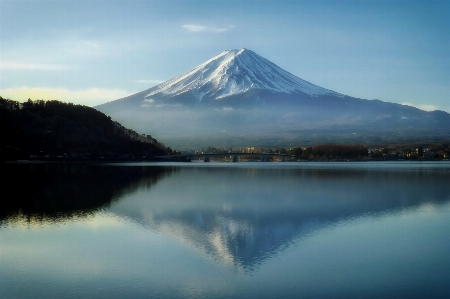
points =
(90, 52)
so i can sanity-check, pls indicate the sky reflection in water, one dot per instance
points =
(247, 230)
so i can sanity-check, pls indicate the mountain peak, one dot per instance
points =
(237, 51)
(242, 51)
(234, 72)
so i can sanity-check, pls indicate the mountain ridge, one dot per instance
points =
(239, 95)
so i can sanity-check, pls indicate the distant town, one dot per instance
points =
(333, 152)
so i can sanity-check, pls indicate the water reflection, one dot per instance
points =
(243, 216)
(217, 231)
(52, 192)
(238, 216)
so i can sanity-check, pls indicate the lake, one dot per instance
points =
(225, 230)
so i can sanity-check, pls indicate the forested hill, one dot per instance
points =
(52, 129)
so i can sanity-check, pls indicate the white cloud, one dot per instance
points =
(423, 106)
(150, 81)
(89, 97)
(194, 28)
(225, 109)
(200, 28)
(159, 105)
(428, 107)
(10, 65)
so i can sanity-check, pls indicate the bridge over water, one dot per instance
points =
(235, 156)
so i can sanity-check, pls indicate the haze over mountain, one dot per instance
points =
(239, 98)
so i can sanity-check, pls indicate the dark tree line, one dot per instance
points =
(330, 152)
(53, 128)
(342, 151)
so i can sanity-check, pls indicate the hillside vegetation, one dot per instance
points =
(46, 129)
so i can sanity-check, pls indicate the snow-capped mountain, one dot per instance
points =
(234, 72)
(229, 74)
(240, 97)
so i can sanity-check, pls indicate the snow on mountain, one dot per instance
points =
(233, 72)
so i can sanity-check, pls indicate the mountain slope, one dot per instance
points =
(238, 98)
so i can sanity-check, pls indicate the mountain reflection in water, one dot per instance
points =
(237, 216)
(241, 216)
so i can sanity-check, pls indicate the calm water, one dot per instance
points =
(225, 230)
